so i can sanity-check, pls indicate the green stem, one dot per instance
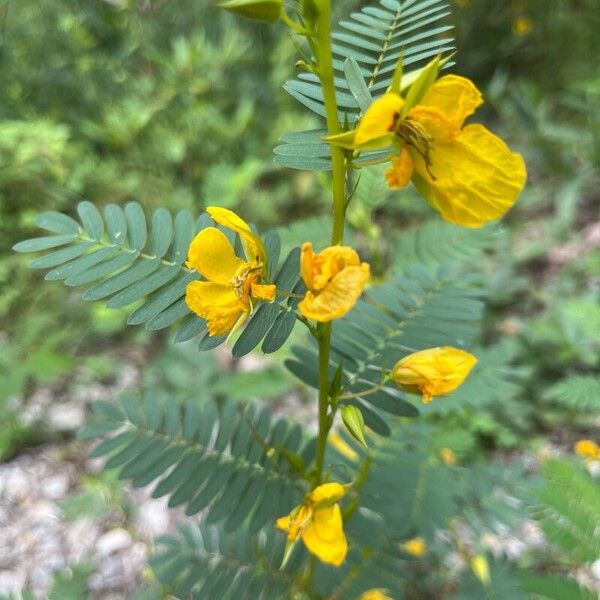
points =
(325, 70)
(321, 44)
(325, 420)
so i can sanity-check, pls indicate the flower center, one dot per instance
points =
(244, 277)
(411, 133)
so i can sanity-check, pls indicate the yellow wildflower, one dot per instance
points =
(335, 279)
(226, 298)
(481, 568)
(416, 546)
(337, 441)
(588, 449)
(522, 26)
(433, 372)
(375, 594)
(448, 457)
(467, 174)
(318, 521)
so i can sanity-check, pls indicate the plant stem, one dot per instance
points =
(322, 42)
(325, 420)
(325, 70)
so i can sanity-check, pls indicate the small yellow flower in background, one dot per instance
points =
(522, 26)
(415, 547)
(467, 174)
(448, 457)
(318, 521)
(588, 449)
(226, 298)
(335, 279)
(375, 594)
(337, 441)
(481, 568)
(433, 372)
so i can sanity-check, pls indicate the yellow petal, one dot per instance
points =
(283, 523)
(415, 546)
(481, 568)
(399, 174)
(294, 523)
(433, 372)
(308, 268)
(253, 244)
(335, 440)
(588, 449)
(448, 457)
(375, 594)
(217, 304)
(264, 292)
(211, 254)
(379, 119)
(328, 492)
(318, 270)
(473, 179)
(324, 536)
(337, 297)
(455, 97)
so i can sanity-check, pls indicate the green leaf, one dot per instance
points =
(356, 84)
(581, 392)
(58, 223)
(549, 587)
(569, 510)
(136, 225)
(280, 332)
(43, 243)
(91, 219)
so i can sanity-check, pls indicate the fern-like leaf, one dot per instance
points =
(205, 561)
(581, 392)
(224, 459)
(570, 510)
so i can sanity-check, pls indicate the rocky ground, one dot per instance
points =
(38, 539)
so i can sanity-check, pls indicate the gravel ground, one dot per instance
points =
(37, 540)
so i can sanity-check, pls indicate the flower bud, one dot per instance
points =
(260, 10)
(433, 372)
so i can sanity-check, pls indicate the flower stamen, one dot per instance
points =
(413, 134)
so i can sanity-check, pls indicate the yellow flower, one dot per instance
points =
(588, 449)
(467, 174)
(336, 441)
(433, 372)
(335, 279)
(416, 546)
(448, 457)
(375, 594)
(522, 26)
(481, 568)
(318, 521)
(226, 298)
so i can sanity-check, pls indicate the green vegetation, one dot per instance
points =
(131, 118)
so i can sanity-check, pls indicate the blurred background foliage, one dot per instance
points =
(173, 103)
